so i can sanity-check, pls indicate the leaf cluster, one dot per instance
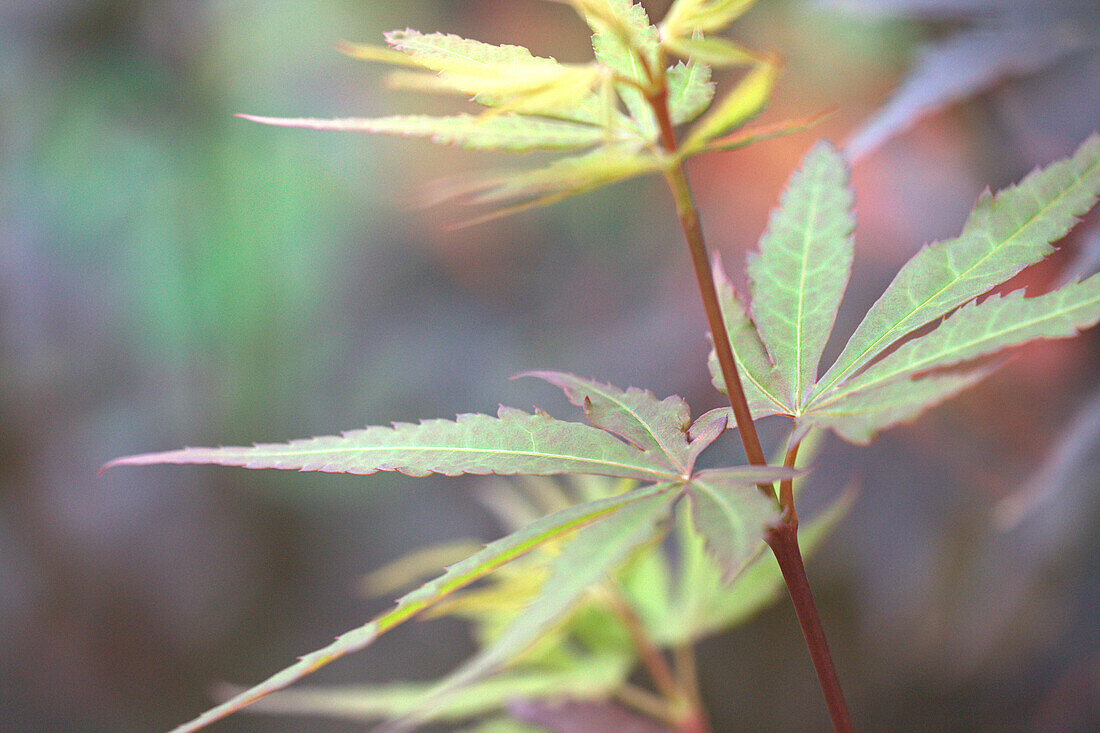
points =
(932, 331)
(610, 114)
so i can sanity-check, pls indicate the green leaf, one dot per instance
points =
(688, 16)
(976, 330)
(657, 426)
(512, 442)
(767, 393)
(625, 42)
(1003, 235)
(590, 676)
(731, 513)
(510, 132)
(690, 91)
(509, 77)
(703, 603)
(859, 416)
(458, 576)
(749, 135)
(742, 103)
(712, 51)
(800, 273)
(584, 561)
(552, 183)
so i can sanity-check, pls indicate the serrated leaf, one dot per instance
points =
(859, 416)
(766, 392)
(509, 132)
(799, 275)
(731, 513)
(590, 676)
(657, 426)
(584, 561)
(712, 51)
(702, 604)
(625, 42)
(1003, 235)
(976, 330)
(690, 91)
(456, 577)
(741, 104)
(512, 442)
(688, 16)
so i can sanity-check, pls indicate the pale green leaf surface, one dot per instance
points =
(858, 417)
(509, 132)
(591, 676)
(621, 26)
(458, 576)
(1003, 235)
(712, 51)
(731, 512)
(749, 135)
(687, 16)
(513, 442)
(799, 275)
(766, 393)
(703, 604)
(657, 426)
(690, 91)
(742, 103)
(976, 330)
(584, 561)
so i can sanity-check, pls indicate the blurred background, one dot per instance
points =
(171, 275)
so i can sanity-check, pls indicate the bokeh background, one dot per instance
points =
(172, 275)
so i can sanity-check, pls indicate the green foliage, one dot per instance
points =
(665, 551)
(802, 268)
(604, 107)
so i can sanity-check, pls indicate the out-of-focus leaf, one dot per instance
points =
(767, 394)
(456, 577)
(800, 273)
(584, 560)
(511, 132)
(658, 426)
(1004, 234)
(732, 514)
(591, 676)
(690, 91)
(512, 442)
(688, 16)
(859, 416)
(976, 330)
(712, 51)
(741, 104)
(571, 716)
(1001, 40)
(417, 565)
(749, 135)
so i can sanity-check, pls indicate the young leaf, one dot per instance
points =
(590, 676)
(802, 268)
(749, 135)
(657, 426)
(687, 16)
(456, 577)
(712, 51)
(1003, 235)
(767, 393)
(690, 91)
(512, 442)
(742, 103)
(859, 416)
(625, 42)
(511, 132)
(731, 513)
(976, 330)
(584, 561)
